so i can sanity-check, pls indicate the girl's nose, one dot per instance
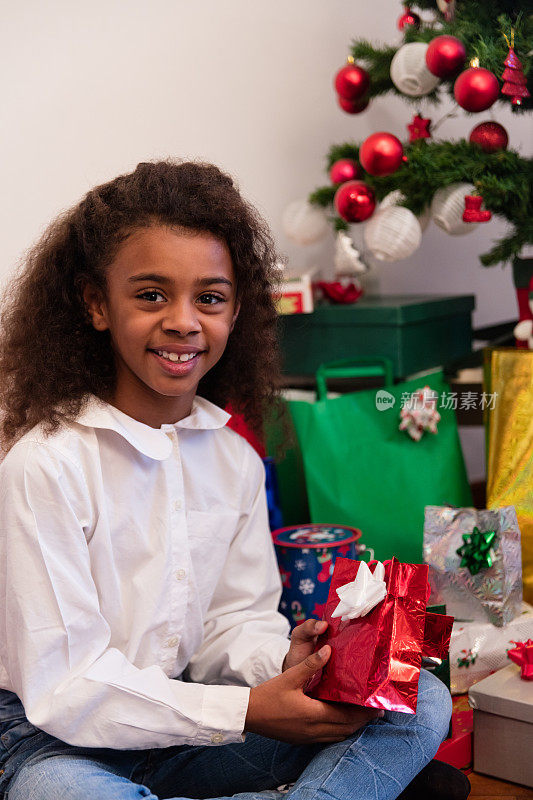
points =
(182, 317)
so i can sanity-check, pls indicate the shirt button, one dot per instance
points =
(177, 505)
(217, 738)
(173, 641)
(180, 574)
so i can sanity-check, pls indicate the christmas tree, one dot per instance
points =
(480, 53)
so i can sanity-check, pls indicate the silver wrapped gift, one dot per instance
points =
(495, 592)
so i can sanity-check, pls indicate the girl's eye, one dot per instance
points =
(211, 299)
(150, 295)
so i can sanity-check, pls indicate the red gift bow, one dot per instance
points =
(375, 660)
(340, 293)
(522, 654)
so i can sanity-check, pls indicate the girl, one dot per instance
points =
(141, 652)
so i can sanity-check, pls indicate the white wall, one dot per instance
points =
(90, 89)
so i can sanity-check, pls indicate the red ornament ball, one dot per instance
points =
(381, 153)
(353, 106)
(490, 136)
(352, 82)
(476, 89)
(445, 56)
(408, 18)
(355, 201)
(345, 169)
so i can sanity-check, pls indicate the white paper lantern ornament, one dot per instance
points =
(304, 223)
(391, 199)
(409, 72)
(393, 233)
(395, 198)
(447, 209)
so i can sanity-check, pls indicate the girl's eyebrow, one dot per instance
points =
(149, 276)
(152, 276)
(210, 281)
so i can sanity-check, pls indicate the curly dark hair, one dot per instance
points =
(51, 357)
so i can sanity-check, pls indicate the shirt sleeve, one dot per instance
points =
(245, 637)
(54, 642)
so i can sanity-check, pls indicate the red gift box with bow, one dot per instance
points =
(522, 654)
(376, 658)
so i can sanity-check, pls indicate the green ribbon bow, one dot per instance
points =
(477, 551)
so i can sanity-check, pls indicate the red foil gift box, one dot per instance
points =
(375, 659)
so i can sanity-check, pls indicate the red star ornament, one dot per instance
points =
(419, 128)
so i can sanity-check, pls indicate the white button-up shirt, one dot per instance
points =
(138, 580)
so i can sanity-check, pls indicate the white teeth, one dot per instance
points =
(174, 356)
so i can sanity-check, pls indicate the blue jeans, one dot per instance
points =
(376, 763)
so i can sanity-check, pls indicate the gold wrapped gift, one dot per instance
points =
(509, 422)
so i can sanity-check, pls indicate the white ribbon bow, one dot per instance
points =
(360, 596)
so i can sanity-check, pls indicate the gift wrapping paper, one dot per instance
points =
(509, 376)
(376, 657)
(494, 594)
(477, 650)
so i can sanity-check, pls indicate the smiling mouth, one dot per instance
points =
(175, 357)
(176, 364)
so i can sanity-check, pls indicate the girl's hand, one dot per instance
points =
(279, 708)
(303, 642)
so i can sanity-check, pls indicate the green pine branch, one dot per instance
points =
(480, 26)
(377, 62)
(503, 179)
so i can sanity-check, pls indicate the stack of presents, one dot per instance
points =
(375, 527)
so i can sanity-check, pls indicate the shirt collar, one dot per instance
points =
(152, 442)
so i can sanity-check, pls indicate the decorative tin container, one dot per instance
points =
(306, 555)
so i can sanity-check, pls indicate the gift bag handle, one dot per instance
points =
(352, 368)
(362, 549)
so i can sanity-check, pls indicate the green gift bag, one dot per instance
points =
(361, 470)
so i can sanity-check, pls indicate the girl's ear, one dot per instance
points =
(95, 307)
(235, 315)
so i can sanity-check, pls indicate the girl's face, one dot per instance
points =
(170, 307)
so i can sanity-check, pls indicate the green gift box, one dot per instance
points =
(415, 332)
